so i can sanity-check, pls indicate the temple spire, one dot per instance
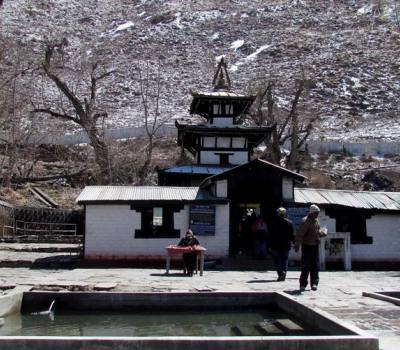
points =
(221, 79)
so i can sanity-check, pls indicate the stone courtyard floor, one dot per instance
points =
(339, 292)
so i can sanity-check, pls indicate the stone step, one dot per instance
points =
(246, 330)
(289, 326)
(267, 328)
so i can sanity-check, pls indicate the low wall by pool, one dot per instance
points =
(335, 334)
(391, 297)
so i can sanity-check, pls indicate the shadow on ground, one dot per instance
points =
(57, 262)
(260, 281)
(175, 274)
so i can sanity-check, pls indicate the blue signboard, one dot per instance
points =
(295, 215)
(202, 220)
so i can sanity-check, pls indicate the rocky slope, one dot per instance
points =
(347, 49)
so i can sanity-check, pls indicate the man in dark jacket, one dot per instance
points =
(280, 242)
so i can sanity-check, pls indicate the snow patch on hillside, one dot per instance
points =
(250, 57)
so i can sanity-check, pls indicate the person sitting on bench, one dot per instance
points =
(189, 259)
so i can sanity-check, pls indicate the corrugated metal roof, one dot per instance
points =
(197, 169)
(220, 94)
(355, 199)
(136, 193)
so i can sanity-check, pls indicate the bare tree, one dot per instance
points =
(18, 156)
(78, 103)
(150, 89)
(288, 125)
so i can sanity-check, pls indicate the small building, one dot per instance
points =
(138, 222)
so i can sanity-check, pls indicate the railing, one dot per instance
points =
(7, 228)
(23, 228)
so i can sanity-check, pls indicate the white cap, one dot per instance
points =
(281, 211)
(314, 208)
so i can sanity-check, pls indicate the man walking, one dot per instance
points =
(280, 241)
(308, 237)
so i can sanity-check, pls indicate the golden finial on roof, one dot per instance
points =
(221, 79)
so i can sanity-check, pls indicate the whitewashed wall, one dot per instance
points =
(222, 122)
(110, 233)
(209, 157)
(222, 188)
(217, 245)
(287, 188)
(385, 232)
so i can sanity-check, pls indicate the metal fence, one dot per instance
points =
(40, 223)
(24, 228)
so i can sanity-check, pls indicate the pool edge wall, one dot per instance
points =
(314, 316)
(382, 296)
(190, 343)
(355, 339)
(11, 303)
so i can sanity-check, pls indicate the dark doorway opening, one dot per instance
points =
(244, 240)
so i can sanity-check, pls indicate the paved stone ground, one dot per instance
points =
(339, 293)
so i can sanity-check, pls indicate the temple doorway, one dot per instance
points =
(248, 212)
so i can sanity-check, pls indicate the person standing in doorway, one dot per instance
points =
(280, 242)
(308, 237)
(260, 232)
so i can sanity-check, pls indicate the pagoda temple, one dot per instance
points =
(218, 195)
(221, 142)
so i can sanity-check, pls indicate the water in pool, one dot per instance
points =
(181, 323)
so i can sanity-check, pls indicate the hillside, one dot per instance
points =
(347, 50)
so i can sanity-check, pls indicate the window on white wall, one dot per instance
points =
(352, 221)
(157, 216)
(217, 109)
(238, 142)
(223, 142)
(229, 109)
(209, 142)
(157, 222)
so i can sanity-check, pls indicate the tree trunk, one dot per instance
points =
(145, 169)
(291, 163)
(275, 149)
(294, 143)
(101, 155)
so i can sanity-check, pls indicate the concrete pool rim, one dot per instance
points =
(384, 296)
(354, 338)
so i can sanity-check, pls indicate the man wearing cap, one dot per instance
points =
(280, 241)
(308, 237)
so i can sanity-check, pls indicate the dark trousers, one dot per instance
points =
(309, 265)
(189, 260)
(280, 258)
